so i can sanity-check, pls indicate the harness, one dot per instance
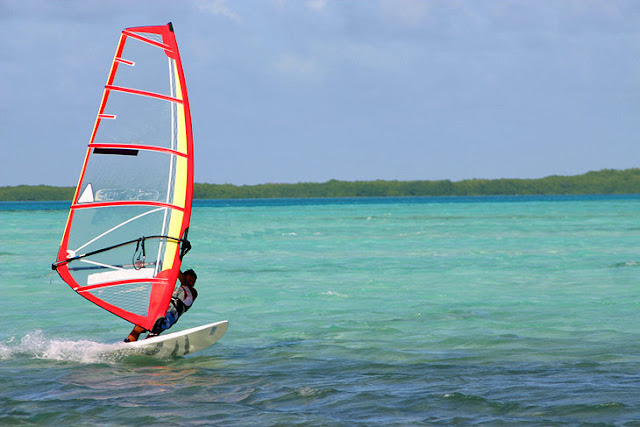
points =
(179, 305)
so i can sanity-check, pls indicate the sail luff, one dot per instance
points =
(188, 132)
(184, 144)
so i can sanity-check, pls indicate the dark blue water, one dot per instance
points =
(53, 205)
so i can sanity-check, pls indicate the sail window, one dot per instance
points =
(87, 195)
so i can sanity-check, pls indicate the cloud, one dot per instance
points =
(298, 66)
(218, 7)
(411, 13)
(317, 4)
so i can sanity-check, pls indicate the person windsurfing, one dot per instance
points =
(181, 301)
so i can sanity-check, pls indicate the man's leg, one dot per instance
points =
(133, 336)
(164, 323)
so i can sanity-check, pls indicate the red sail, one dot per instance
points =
(132, 206)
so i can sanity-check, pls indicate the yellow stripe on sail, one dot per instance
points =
(180, 183)
(175, 224)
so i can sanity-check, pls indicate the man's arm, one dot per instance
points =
(181, 277)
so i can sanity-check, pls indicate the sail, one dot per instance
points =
(129, 218)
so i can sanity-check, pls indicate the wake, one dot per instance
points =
(37, 346)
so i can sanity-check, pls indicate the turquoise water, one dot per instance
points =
(449, 311)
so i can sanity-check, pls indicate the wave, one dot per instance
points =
(626, 264)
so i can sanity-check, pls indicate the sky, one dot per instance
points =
(285, 91)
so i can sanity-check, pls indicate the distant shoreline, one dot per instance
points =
(607, 181)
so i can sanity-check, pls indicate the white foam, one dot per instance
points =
(335, 294)
(37, 346)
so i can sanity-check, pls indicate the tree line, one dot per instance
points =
(608, 181)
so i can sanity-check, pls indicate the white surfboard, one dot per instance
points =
(178, 343)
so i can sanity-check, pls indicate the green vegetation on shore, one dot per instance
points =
(606, 181)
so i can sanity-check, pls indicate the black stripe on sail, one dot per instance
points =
(116, 151)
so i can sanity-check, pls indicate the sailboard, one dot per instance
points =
(127, 228)
(176, 344)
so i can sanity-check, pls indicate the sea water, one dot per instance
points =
(407, 311)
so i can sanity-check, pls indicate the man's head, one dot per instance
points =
(190, 277)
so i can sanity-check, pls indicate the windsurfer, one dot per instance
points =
(181, 301)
